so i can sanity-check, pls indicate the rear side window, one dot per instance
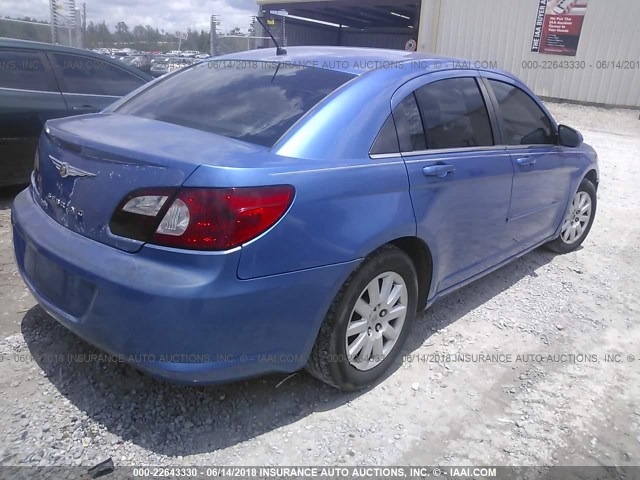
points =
(25, 71)
(523, 121)
(256, 102)
(454, 114)
(92, 76)
(409, 125)
(387, 140)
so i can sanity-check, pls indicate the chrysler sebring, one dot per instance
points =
(267, 212)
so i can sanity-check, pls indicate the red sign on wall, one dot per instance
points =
(558, 26)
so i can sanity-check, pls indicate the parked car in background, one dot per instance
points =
(180, 63)
(141, 62)
(166, 65)
(234, 220)
(160, 66)
(39, 81)
(158, 58)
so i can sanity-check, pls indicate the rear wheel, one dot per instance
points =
(578, 219)
(368, 322)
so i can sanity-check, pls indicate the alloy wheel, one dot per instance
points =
(376, 321)
(577, 220)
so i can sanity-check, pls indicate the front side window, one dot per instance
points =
(256, 102)
(92, 76)
(25, 71)
(523, 121)
(454, 114)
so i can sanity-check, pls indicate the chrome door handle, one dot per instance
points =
(85, 108)
(439, 171)
(525, 161)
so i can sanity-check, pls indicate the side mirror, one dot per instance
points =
(569, 137)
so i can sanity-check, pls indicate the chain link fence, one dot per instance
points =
(240, 43)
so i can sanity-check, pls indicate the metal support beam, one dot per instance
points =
(429, 23)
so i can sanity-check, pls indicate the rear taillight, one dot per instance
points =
(201, 218)
(36, 171)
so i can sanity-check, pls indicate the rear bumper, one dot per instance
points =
(180, 316)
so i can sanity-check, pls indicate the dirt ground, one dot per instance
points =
(551, 374)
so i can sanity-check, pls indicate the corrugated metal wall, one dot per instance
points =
(396, 40)
(501, 30)
(306, 33)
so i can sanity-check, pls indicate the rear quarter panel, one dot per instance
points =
(340, 212)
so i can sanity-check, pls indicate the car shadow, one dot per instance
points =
(7, 194)
(157, 415)
(454, 306)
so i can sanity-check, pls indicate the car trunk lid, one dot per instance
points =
(87, 165)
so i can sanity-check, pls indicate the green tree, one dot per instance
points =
(122, 33)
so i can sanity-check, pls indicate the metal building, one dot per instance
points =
(604, 68)
(370, 23)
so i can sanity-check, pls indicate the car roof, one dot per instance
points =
(354, 60)
(358, 60)
(50, 47)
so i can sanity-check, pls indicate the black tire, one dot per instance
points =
(328, 361)
(559, 245)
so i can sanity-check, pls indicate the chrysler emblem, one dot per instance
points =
(65, 170)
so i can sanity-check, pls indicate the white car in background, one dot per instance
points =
(178, 63)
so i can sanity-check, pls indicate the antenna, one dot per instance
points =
(279, 49)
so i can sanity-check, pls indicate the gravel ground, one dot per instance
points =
(15, 299)
(550, 398)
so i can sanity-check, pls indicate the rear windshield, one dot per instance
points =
(256, 102)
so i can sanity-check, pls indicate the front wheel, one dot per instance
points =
(578, 219)
(368, 322)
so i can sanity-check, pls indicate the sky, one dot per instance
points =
(168, 15)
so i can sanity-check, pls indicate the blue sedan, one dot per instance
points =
(265, 213)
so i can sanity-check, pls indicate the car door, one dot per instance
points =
(90, 84)
(542, 176)
(460, 179)
(29, 96)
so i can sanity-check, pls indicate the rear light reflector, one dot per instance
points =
(135, 218)
(176, 220)
(148, 205)
(201, 218)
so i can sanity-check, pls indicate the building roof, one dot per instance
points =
(359, 14)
